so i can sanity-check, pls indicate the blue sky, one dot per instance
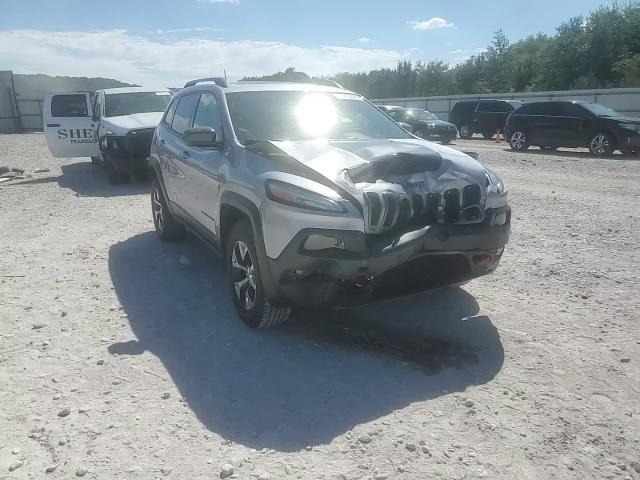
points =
(166, 42)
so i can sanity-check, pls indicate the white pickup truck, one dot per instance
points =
(114, 128)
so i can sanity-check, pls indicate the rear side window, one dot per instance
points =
(74, 105)
(540, 108)
(495, 107)
(208, 114)
(168, 117)
(184, 113)
(464, 107)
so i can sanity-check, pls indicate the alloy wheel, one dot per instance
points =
(243, 275)
(600, 144)
(464, 131)
(158, 213)
(518, 140)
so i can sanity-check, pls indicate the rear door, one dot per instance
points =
(68, 125)
(202, 165)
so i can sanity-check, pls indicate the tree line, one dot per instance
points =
(601, 50)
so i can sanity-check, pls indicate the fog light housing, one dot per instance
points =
(500, 219)
(316, 242)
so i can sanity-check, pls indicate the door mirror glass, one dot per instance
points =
(200, 137)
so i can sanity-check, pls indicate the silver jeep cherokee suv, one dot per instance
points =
(316, 198)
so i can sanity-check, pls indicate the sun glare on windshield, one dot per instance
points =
(316, 115)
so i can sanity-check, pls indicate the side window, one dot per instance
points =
(208, 114)
(502, 107)
(573, 110)
(184, 113)
(485, 107)
(69, 105)
(168, 117)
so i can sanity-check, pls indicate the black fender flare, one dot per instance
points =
(252, 212)
(154, 166)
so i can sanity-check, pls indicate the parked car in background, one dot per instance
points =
(550, 125)
(331, 206)
(423, 123)
(114, 127)
(481, 116)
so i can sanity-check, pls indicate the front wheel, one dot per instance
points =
(253, 308)
(519, 141)
(601, 144)
(466, 131)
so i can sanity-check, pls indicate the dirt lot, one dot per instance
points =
(120, 356)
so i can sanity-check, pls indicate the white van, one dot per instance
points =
(114, 127)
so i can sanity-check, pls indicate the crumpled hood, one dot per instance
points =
(123, 124)
(444, 166)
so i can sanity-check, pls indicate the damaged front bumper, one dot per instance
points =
(129, 153)
(337, 268)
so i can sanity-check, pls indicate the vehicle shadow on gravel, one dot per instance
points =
(304, 383)
(88, 180)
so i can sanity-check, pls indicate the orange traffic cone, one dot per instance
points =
(498, 137)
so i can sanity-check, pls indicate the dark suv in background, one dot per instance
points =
(550, 125)
(422, 123)
(481, 116)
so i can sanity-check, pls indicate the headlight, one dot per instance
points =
(495, 183)
(631, 126)
(294, 196)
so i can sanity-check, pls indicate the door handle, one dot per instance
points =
(186, 155)
(53, 124)
(161, 141)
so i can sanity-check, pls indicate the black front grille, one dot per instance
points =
(139, 142)
(390, 210)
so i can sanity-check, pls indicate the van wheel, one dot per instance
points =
(114, 176)
(253, 308)
(602, 144)
(519, 141)
(466, 131)
(167, 226)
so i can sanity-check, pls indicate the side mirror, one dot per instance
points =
(200, 137)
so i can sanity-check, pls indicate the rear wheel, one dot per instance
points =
(519, 141)
(167, 226)
(253, 308)
(466, 131)
(602, 144)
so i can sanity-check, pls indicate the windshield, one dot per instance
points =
(421, 115)
(600, 110)
(287, 115)
(117, 104)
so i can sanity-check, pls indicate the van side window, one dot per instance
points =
(69, 105)
(184, 113)
(208, 114)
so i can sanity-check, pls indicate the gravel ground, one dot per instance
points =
(120, 356)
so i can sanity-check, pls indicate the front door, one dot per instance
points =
(68, 125)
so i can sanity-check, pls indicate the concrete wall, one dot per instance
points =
(624, 100)
(9, 121)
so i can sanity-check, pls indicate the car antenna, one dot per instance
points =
(225, 75)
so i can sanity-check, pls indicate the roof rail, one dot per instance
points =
(219, 81)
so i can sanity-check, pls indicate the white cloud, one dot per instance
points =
(431, 24)
(364, 40)
(162, 61)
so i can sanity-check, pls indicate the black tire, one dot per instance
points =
(488, 135)
(96, 161)
(114, 176)
(167, 226)
(602, 144)
(519, 141)
(465, 131)
(445, 141)
(245, 282)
